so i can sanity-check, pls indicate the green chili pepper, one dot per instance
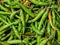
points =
(5, 36)
(2, 32)
(19, 27)
(34, 41)
(53, 14)
(10, 38)
(27, 17)
(43, 19)
(3, 8)
(22, 19)
(3, 17)
(36, 25)
(13, 13)
(48, 29)
(34, 29)
(4, 21)
(2, 36)
(1, 23)
(5, 13)
(57, 23)
(42, 31)
(5, 43)
(28, 11)
(44, 42)
(52, 35)
(28, 23)
(15, 30)
(17, 16)
(14, 41)
(38, 40)
(48, 43)
(39, 3)
(38, 16)
(5, 26)
(58, 35)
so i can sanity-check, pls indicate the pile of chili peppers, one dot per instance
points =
(29, 22)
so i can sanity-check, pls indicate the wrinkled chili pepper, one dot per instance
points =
(0, 0)
(28, 4)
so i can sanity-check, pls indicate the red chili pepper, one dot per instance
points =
(28, 4)
(22, 1)
(0, 0)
